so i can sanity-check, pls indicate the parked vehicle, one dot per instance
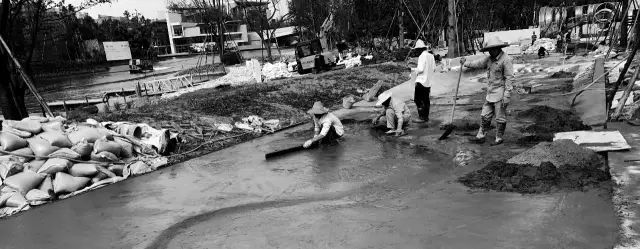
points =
(140, 66)
(310, 57)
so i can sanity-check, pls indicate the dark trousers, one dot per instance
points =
(421, 98)
(330, 139)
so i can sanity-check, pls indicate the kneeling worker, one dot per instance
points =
(327, 127)
(396, 112)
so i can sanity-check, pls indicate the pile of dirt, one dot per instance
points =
(562, 74)
(547, 121)
(543, 168)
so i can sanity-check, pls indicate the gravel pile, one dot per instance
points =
(559, 152)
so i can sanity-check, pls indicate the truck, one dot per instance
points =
(310, 57)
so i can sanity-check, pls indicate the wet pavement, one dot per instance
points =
(366, 192)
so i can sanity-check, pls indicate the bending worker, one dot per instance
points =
(500, 77)
(396, 112)
(425, 71)
(327, 127)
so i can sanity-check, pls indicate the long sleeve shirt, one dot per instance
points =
(322, 125)
(499, 74)
(426, 69)
(399, 108)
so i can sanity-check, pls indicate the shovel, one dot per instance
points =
(450, 126)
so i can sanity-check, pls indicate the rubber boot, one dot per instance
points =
(482, 132)
(499, 134)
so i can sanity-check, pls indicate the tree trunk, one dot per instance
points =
(452, 31)
(11, 100)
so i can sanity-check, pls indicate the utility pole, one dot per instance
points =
(452, 31)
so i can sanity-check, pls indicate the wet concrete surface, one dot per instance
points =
(366, 192)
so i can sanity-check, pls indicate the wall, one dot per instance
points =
(513, 36)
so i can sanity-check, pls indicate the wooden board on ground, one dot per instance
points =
(598, 141)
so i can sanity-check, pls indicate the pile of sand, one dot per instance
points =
(543, 168)
(547, 121)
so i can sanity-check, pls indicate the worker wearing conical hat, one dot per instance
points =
(425, 71)
(500, 77)
(327, 127)
(396, 112)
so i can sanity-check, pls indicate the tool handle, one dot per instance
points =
(455, 97)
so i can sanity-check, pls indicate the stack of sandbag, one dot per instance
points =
(43, 159)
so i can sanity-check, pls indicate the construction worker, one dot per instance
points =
(534, 37)
(396, 112)
(500, 78)
(425, 70)
(327, 127)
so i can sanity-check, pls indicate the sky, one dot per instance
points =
(148, 8)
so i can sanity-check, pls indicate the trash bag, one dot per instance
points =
(40, 147)
(104, 156)
(34, 165)
(53, 127)
(83, 170)
(11, 142)
(127, 148)
(55, 165)
(37, 197)
(22, 134)
(9, 168)
(137, 168)
(23, 182)
(16, 200)
(66, 154)
(90, 134)
(56, 138)
(117, 169)
(27, 125)
(64, 183)
(103, 144)
(83, 148)
(46, 185)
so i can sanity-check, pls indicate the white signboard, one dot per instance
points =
(116, 51)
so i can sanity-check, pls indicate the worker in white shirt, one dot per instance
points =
(396, 112)
(327, 127)
(425, 71)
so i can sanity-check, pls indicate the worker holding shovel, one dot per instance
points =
(500, 77)
(327, 127)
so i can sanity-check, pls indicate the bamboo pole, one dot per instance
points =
(625, 95)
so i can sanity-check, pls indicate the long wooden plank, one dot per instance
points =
(598, 141)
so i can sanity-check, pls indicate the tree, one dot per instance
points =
(21, 23)
(209, 12)
(262, 22)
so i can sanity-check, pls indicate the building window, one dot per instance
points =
(177, 30)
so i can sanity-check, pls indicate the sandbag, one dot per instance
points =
(117, 169)
(46, 185)
(66, 154)
(40, 147)
(105, 171)
(9, 168)
(83, 170)
(99, 177)
(53, 126)
(103, 144)
(34, 165)
(37, 197)
(23, 182)
(16, 200)
(11, 142)
(55, 165)
(56, 138)
(22, 134)
(83, 148)
(36, 118)
(104, 156)
(27, 125)
(127, 148)
(65, 183)
(84, 132)
(24, 152)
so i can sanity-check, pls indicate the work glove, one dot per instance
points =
(307, 144)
